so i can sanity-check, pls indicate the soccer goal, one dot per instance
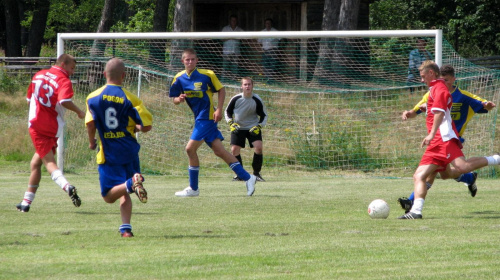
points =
(334, 98)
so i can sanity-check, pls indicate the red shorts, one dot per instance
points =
(43, 144)
(442, 153)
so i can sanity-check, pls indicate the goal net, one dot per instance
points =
(334, 99)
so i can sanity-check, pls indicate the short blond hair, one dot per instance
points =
(65, 59)
(246, 78)
(430, 65)
(189, 51)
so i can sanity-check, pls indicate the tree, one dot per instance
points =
(337, 15)
(12, 29)
(470, 26)
(182, 23)
(37, 30)
(160, 21)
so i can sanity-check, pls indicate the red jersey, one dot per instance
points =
(440, 100)
(445, 146)
(48, 89)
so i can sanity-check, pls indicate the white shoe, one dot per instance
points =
(187, 192)
(497, 158)
(251, 185)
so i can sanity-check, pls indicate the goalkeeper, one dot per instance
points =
(465, 105)
(246, 115)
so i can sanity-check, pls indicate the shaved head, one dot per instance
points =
(115, 68)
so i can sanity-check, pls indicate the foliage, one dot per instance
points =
(470, 26)
(334, 146)
(67, 16)
(8, 84)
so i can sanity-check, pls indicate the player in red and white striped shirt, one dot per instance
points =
(49, 94)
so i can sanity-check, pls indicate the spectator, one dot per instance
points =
(231, 50)
(270, 55)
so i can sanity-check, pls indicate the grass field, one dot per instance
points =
(294, 227)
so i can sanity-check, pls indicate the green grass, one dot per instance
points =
(294, 227)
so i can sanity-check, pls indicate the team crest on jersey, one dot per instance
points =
(197, 86)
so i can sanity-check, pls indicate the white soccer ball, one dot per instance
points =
(378, 209)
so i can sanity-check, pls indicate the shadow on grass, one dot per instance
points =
(486, 214)
(115, 213)
(196, 236)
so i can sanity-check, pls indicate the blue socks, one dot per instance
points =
(194, 172)
(240, 171)
(412, 195)
(466, 178)
(125, 228)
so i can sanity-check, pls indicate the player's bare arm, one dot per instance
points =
(488, 105)
(438, 119)
(72, 107)
(178, 100)
(408, 114)
(91, 129)
(220, 104)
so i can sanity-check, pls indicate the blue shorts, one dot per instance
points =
(111, 175)
(206, 130)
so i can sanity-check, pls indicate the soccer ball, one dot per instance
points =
(378, 209)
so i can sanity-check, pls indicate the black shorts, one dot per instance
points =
(239, 138)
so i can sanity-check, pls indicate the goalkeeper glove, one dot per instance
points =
(255, 130)
(234, 127)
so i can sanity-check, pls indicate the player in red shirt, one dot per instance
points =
(443, 145)
(49, 94)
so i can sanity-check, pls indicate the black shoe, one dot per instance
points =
(259, 178)
(410, 216)
(236, 178)
(74, 197)
(472, 187)
(23, 208)
(405, 203)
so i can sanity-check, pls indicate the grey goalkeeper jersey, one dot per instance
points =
(247, 112)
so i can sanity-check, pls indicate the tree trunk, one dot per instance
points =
(340, 60)
(349, 11)
(331, 13)
(37, 29)
(98, 47)
(160, 21)
(104, 26)
(182, 23)
(12, 29)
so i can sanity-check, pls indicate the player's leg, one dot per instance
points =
(233, 163)
(33, 183)
(193, 169)
(258, 158)
(419, 179)
(126, 215)
(237, 143)
(469, 179)
(57, 176)
(463, 165)
(407, 202)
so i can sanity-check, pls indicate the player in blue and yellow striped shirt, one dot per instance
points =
(117, 114)
(196, 87)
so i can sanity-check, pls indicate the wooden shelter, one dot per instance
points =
(287, 15)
